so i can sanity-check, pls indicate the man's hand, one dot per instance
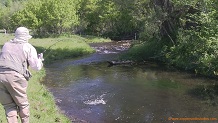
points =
(40, 56)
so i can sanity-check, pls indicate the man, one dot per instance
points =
(15, 58)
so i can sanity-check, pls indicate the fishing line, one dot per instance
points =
(50, 48)
(48, 54)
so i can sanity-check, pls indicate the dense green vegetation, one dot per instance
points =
(179, 33)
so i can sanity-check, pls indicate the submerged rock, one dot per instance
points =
(111, 63)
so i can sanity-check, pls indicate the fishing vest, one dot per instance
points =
(13, 57)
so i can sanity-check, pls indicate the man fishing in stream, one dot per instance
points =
(15, 58)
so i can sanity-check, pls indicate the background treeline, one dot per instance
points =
(117, 19)
(182, 33)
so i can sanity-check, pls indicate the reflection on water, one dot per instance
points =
(148, 93)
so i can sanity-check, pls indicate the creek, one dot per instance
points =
(89, 90)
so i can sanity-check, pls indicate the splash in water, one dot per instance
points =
(96, 101)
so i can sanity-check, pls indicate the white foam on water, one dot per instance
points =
(96, 101)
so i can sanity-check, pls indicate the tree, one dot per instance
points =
(112, 18)
(47, 16)
(7, 11)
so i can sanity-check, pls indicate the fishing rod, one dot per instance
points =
(50, 48)
(48, 54)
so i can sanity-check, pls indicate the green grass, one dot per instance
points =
(42, 104)
(140, 51)
(61, 48)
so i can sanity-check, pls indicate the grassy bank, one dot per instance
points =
(42, 103)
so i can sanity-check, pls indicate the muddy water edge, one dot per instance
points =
(92, 91)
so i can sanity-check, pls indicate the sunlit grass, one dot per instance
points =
(5, 38)
(61, 48)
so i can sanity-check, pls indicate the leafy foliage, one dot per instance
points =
(7, 8)
(190, 39)
(117, 19)
(47, 16)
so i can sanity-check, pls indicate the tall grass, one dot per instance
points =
(42, 103)
(142, 51)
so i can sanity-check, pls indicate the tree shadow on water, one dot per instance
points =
(206, 93)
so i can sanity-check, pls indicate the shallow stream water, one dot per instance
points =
(90, 90)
